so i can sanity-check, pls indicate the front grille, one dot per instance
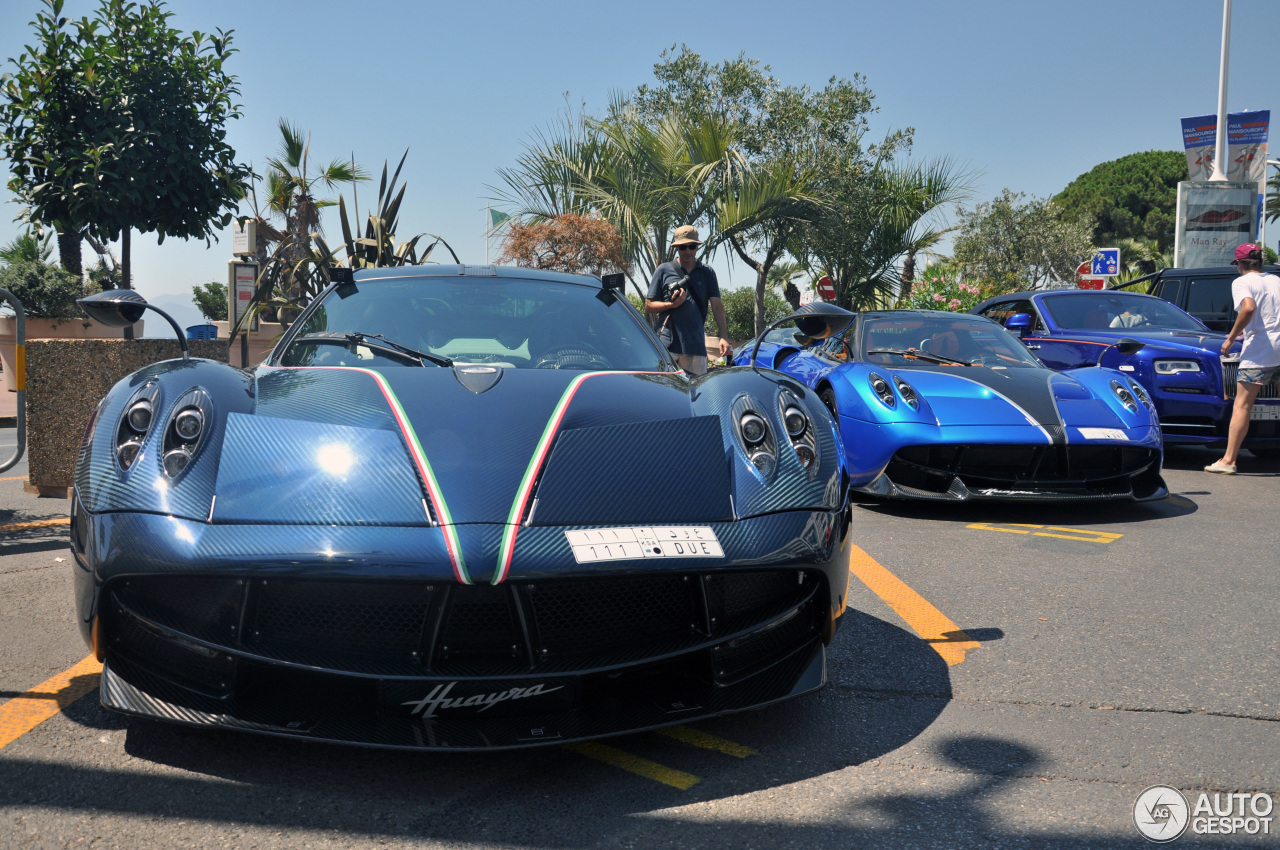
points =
(409, 628)
(1057, 467)
(1229, 372)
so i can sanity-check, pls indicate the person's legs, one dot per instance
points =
(1246, 395)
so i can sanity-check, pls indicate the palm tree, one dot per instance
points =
(29, 247)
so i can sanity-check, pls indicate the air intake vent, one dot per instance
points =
(477, 271)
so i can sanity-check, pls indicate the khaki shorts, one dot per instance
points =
(694, 364)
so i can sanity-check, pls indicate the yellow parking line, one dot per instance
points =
(15, 478)
(1088, 536)
(635, 764)
(44, 523)
(23, 713)
(695, 738)
(947, 639)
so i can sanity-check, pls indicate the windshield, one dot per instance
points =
(944, 339)
(517, 324)
(1102, 310)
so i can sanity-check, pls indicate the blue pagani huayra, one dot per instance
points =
(946, 406)
(457, 507)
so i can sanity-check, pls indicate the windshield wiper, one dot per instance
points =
(923, 355)
(377, 342)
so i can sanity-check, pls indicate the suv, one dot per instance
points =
(1204, 293)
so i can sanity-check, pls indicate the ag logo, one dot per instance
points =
(1161, 813)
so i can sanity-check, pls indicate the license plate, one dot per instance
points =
(622, 544)
(460, 699)
(1265, 411)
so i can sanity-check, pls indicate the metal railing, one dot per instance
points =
(20, 376)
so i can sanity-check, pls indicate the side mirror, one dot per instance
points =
(1019, 323)
(616, 281)
(816, 320)
(1125, 346)
(118, 308)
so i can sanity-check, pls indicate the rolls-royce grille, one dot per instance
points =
(407, 628)
(1062, 468)
(1229, 372)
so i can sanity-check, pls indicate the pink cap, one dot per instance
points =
(1246, 252)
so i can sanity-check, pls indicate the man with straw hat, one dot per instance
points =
(682, 291)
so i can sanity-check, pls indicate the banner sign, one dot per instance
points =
(1246, 145)
(1213, 218)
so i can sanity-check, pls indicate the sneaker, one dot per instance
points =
(1222, 468)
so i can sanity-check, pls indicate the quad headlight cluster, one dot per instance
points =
(1125, 395)
(183, 433)
(799, 430)
(135, 424)
(1141, 394)
(757, 438)
(881, 387)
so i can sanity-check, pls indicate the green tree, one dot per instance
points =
(123, 127)
(1133, 197)
(211, 300)
(1012, 243)
(740, 312)
(45, 291)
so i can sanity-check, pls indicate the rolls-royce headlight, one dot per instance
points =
(1173, 367)
(1126, 397)
(882, 389)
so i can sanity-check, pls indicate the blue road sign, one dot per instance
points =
(1106, 261)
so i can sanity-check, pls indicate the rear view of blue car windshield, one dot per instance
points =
(517, 324)
(1094, 310)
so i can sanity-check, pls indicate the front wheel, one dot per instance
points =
(828, 397)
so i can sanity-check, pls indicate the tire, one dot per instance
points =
(828, 397)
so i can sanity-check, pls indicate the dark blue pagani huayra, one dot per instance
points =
(945, 406)
(457, 507)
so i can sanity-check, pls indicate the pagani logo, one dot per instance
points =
(1161, 813)
(439, 698)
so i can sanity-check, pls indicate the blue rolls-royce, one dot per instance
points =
(1191, 385)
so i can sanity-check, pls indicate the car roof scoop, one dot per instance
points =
(478, 377)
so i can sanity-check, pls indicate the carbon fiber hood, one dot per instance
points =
(479, 448)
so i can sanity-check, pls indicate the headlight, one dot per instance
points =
(175, 461)
(908, 393)
(795, 420)
(127, 452)
(1126, 397)
(1173, 367)
(189, 423)
(882, 389)
(139, 416)
(764, 462)
(1141, 394)
(753, 428)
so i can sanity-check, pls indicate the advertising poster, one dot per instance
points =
(1213, 218)
(1246, 149)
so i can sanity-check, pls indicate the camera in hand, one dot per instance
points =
(673, 289)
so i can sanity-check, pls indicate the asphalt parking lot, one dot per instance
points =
(1009, 676)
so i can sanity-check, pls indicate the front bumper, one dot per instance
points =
(395, 655)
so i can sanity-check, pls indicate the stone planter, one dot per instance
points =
(65, 380)
(49, 329)
(261, 342)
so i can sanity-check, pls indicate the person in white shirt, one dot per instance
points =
(1257, 301)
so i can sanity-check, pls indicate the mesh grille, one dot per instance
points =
(582, 617)
(204, 670)
(203, 607)
(747, 654)
(480, 620)
(344, 617)
(932, 468)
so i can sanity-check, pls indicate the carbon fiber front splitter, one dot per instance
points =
(886, 488)
(596, 712)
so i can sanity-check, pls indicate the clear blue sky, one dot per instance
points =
(1028, 94)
